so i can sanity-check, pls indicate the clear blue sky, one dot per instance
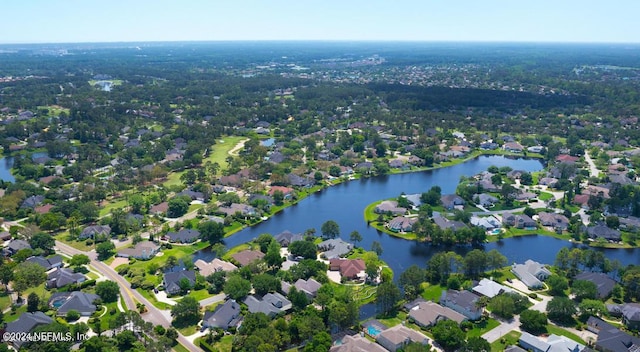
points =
(52, 21)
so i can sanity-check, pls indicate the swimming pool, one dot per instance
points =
(373, 330)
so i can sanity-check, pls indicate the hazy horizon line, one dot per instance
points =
(327, 41)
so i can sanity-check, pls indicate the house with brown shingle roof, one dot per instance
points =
(246, 257)
(349, 268)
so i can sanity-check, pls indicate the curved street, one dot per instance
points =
(153, 314)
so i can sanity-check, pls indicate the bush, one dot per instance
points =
(88, 283)
(533, 295)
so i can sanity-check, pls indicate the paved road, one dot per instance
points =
(153, 314)
(593, 170)
(502, 329)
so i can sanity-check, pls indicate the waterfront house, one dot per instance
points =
(463, 302)
(399, 336)
(531, 273)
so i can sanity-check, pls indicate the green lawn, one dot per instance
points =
(479, 328)
(189, 330)
(552, 329)
(179, 252)
(152, 298)
(106, 210)
(432, 292)
(510, 339)
(225, 344)
(180, 348)
(545, 196)
(199, 295)
(220, 151)
(80, 245)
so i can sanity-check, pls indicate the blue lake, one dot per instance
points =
(345, 204)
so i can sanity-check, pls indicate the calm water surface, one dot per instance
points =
(345, 204)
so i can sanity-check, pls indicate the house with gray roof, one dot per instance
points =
(604, 232)
(450, 201)
(485, 200)
(399, 336)
(61, 277)
(95, 230)
(224, 316)
(531, 273)
(47, 263)
(445, 223)
(389, 206)
(310, 287)
(334, 248)
(428, 313)
(558, 222)
(286, 237)
(554, 343)
(270, 304)
(414, 199)
(402, 224)
(631, 315)
(183, 236)
(488, 223)
(14, 246)
(356, 343)
(171, 280)
(142, 250)
(520, 221)
(603, 282)
(81, 302)
(463, 302)
(32, 202)
(610, 338)
(490, 288)
(26, 323)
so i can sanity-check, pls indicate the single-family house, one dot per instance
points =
(142, 250)
(95, 231)
(399, 336)
(604, 232)
(402, 224)
(414, 199)
(513, 147)
(47, 263)
(610, 338)
(450, 201)
(183, 236)
(428, 313)
(215, 265)
(520, 221)
(349, 268)
(171, 280)
(247, 257)
(356, 343)
(485, 200)
(463, 302)
(286, 191)
(14, 246)
(558, 222)
(270, 304)
(603, 282)
(242, 209)
(548, 181)
(159, 209)
(224, 316)
(309, 287)
(389, 206)
(32, 202)
(286, 237)
(631, 315)
(25, 324)
(531, 273)
(490, 288)
(488, 223)
(445, 223)
(554, 343)
(61, 277)
(79, 301)
(334, 248)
